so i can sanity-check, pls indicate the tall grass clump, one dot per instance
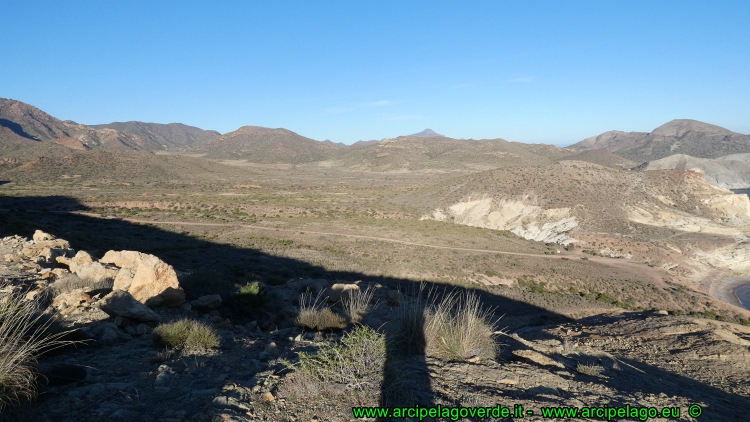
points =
(453, 326)
(186, 334)
(357, 361)
(24, 337)
(458, 328)
(315, 316)
(356, 303)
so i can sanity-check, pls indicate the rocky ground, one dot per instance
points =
(120, 373)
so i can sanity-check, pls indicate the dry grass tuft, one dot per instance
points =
(454, 327)
(356, 303)
(313, 315)
(592, 370)
(186, 334)
(24, 336)
(72, 282)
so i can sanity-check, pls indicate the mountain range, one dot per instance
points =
(721, 155)
(681, 136)
(169, 136)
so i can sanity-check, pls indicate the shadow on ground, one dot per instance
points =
(227, 265)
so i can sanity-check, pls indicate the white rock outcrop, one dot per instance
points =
(147, 278)
(521, 218)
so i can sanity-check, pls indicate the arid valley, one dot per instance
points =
(600, 274)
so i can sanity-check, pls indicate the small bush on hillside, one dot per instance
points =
(23, 338)
(186, 334)
(357, 361)
(251, 296)
(313, 315)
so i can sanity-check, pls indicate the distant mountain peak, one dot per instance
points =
(679, 127)
(427, 133)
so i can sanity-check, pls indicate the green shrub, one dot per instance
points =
(251, 297)
(357, 361)
(186, 334)
(605, 298)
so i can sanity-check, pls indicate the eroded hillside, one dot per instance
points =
(669, 218)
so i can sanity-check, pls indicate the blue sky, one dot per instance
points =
(529, 71)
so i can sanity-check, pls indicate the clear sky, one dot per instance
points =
(529, 71)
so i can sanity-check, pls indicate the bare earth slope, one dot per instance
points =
(120, 166)
(172, 135)
(613, 140)
(601, 157)
(681, 136)
(730, 172)
(264, 145)
(667, 218)
(28, 122)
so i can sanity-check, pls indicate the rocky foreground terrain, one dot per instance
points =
(119, 372)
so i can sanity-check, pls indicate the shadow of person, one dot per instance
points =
(407, 374)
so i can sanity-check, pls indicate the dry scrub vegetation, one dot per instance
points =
(186, 334)
(24, 337)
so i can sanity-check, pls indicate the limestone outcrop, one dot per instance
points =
(147, 278)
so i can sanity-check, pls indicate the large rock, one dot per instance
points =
(40, 235)
(72, 299)
(122, 303)
(207, 302)
(96, 272)
(338, 291)
(153, 281)
(50, 255)
(32, 249)
(82, 257)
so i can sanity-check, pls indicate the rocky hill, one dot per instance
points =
(264, 145)
(667, 218)
(682, 136)
(54, 162)
(22, 122)
(730, 171)
(602, 157)
(169, 136)
(412, 153)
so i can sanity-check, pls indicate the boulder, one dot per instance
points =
(50, 255)
(122, 303)
(72, 299)
(124, 279)
(40, 235)
(59, 272)
(32, 249)
(82, 257)
(95, 272)
(207, 302)
(339, 289)
(107, 333)
(153, 281)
